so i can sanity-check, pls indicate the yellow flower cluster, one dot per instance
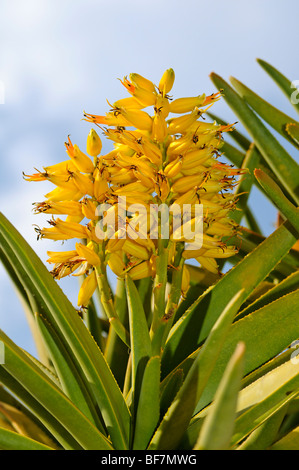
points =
(156, 159)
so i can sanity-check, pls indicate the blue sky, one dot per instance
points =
(58, 58)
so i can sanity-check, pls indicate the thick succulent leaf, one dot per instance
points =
(72, 332)
(10, 440)
(20, 366)
(177, 418)
(116, 351)
(28, 303)
(275, 321)
(194, 326)
(284, 83)
(262, 437)
(292, 130)
(218, 426)
(70, 380)
(278, 159)
(288, 209)
(265, 397)
(287, 285)
(235, 155)
(273, 116)
(36, 410)
(197, 420)
(140, 339)
(148, 411)
(288, 442)
(23, 424)
(250, 162)
(169, 388)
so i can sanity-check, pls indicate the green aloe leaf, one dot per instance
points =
(288, 209)
(28, 303)
(292, 130)
(278, 159)
(250, 162)
(19, 365)
(177, 418)
(273, 116)
(77, 340)
(10, 440)
(287, 285)
(194, 326)
(24, 425)
(70, 380)
(262, 437)
(218, 426)
(116, 351)
(42, 416)
(288, 442)
(263, 398)
(275, 321)
(148, 411)
(140, 339)
(284, 83)
(235, 155)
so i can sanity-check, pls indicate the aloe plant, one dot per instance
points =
(180, 354)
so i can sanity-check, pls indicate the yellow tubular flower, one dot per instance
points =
(159, 127)
(164, 154)
(93, 144)
(116, 264)
(61, 256)
(136, 117)
(141, 271)
(80, 160)
(88, 253)
(166, 82)
(72, 208)
(87, 289)
(185, 105)
(142, 82)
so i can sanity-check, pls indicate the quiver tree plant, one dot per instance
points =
(181, 353)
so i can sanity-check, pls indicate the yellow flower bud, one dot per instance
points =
(135, 249)
(162, 104)
(93, 144)
(87, 289)
(174, 167)
(185, 280)
(166, 81)
(89, 207)
(100, 185)
(180, 124)
(209, 264)
(159, 127)
(141, 271)
(116, 264)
